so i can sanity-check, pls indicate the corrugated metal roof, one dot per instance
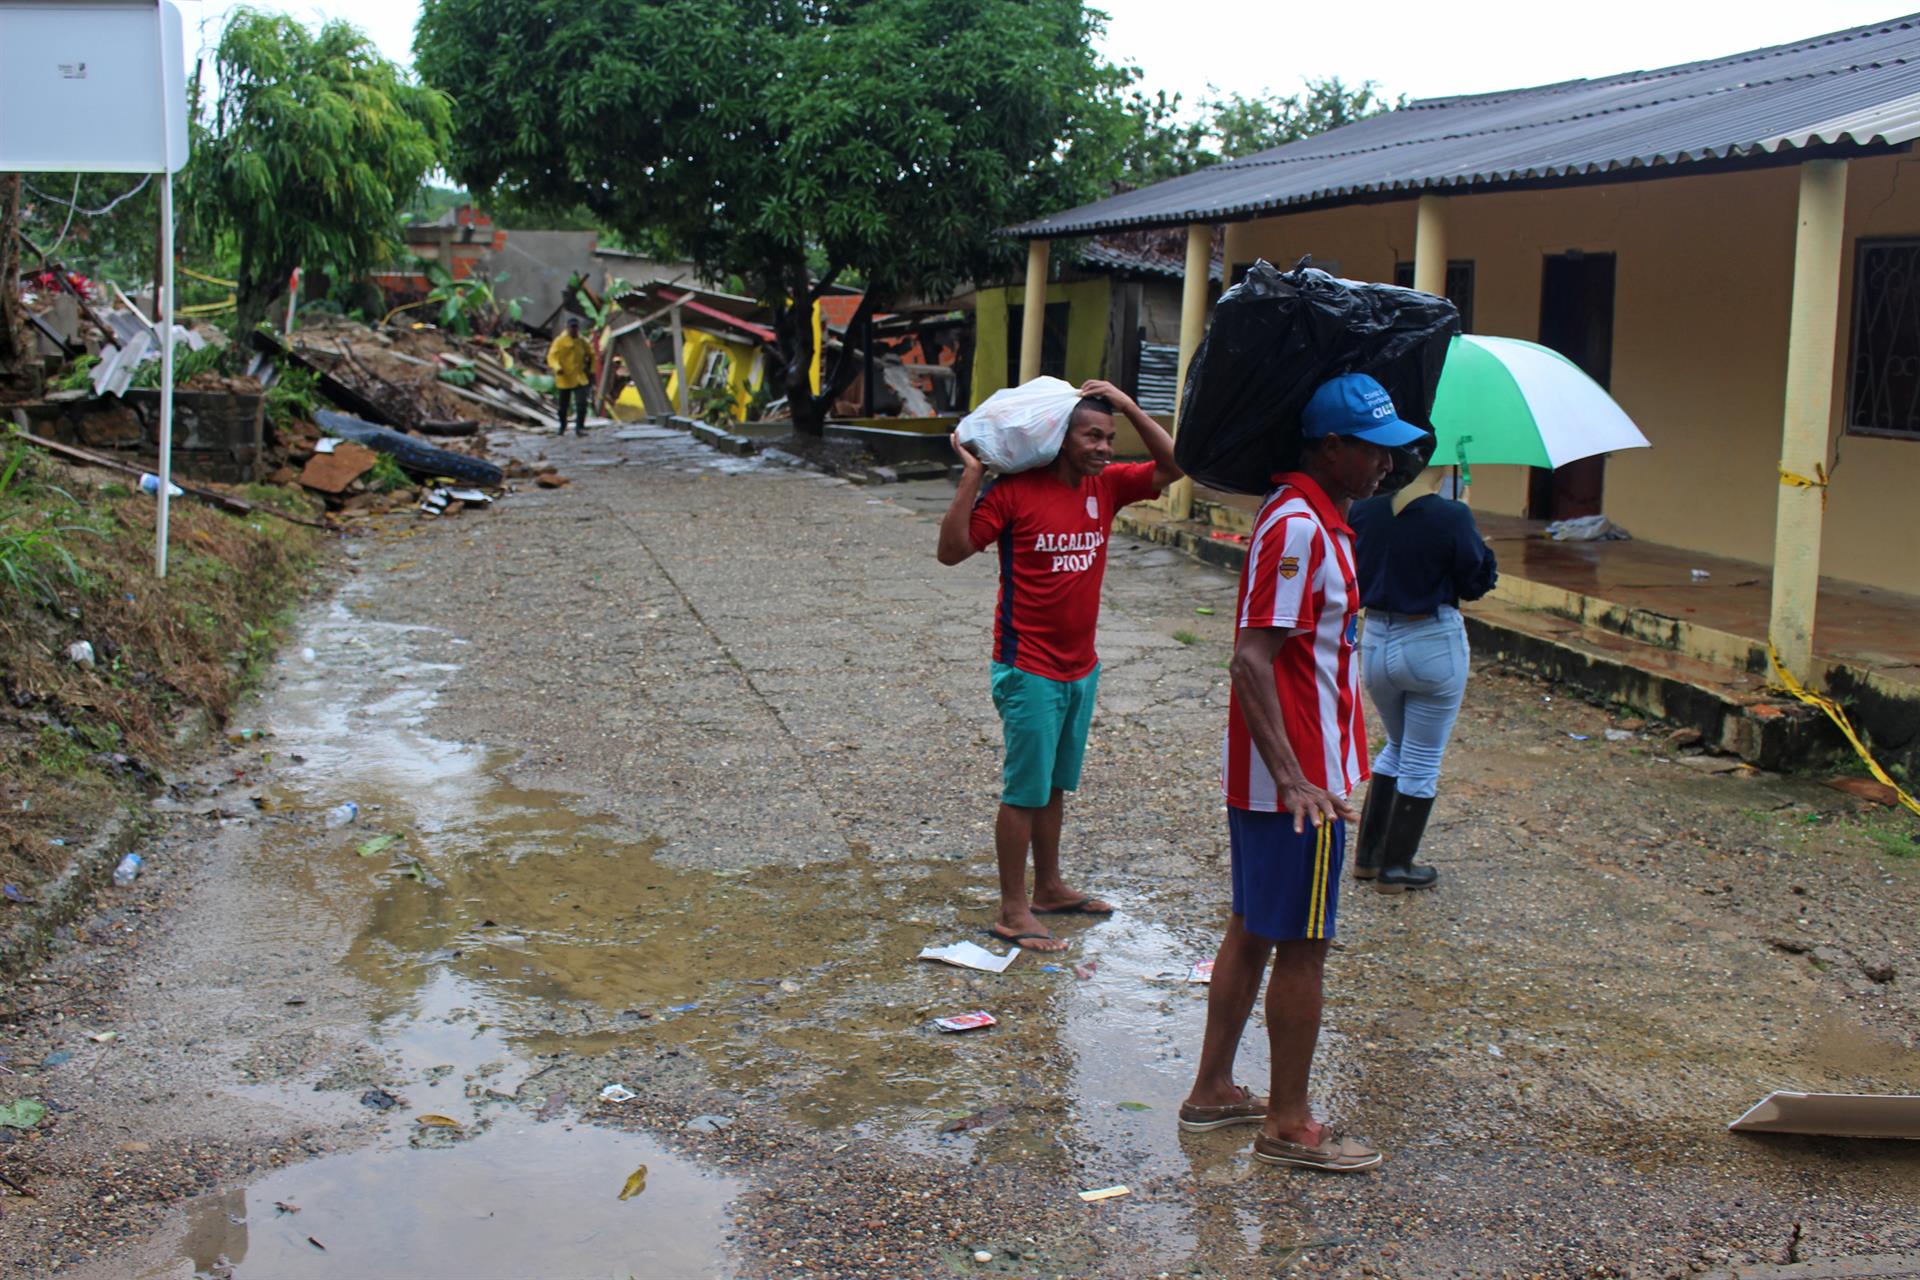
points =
(1858, 88)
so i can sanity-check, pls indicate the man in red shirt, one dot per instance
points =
(1051, 526)
(1294, 750)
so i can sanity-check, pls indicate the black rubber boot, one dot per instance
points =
(1373, 826)
(1408, 822)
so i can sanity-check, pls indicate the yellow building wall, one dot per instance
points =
(745, 369)
(1703, 281)
(1088, 300)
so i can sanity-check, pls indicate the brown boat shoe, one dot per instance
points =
(1332, 1153)
(1249, 1110)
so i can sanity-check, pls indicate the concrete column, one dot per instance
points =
(1193, 323)
(1033, 316)
(1430, 246)
(1818, 249)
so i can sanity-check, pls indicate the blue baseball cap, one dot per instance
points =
(1355, 405)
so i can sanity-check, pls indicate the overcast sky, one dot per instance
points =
(1422, 48)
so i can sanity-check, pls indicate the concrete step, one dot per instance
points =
(1729, 706)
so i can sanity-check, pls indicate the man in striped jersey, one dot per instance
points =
(1295, 748)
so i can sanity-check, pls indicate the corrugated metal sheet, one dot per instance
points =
(1858, 88)
(1159, 378)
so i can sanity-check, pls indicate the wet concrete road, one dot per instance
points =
(684, 763)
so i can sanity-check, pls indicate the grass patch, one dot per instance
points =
(1896, 842)
(76, 563)
(1186, 637)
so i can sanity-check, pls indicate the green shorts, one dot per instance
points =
(1045, 724)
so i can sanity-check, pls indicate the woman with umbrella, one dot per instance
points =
(1500, 400)
(1418, 556)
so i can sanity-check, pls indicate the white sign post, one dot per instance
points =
(99, 86)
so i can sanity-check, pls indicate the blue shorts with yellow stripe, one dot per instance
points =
(1286, 885)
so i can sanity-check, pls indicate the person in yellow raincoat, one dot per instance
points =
(570, 357)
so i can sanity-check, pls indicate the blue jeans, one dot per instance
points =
(1416, 674)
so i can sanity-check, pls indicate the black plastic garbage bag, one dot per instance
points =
(1278, 335)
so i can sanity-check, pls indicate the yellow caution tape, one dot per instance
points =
(189, 271)
(206, 308)
(1787, 684)
(1819, 481)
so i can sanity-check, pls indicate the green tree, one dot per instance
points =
(1161, 140)
(312, 146)
(794, 142)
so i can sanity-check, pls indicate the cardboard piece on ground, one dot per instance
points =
(1835, 1115)
(968, 955)
(1866, 789)
(333, 472)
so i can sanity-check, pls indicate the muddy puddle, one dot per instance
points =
(501, 930)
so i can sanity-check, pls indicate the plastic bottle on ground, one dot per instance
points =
(341, 814)
(129, 868)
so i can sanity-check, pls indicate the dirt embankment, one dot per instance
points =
(108, 671)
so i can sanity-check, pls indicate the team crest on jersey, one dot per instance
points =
(1093, 507)
(1289, 566)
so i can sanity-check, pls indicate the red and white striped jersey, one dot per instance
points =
(1299, 578)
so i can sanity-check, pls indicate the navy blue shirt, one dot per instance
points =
(1429, 555)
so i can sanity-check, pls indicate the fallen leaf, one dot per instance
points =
(556, 1103)
(436, 1122)
(23, 1114)
(636, 1183)
(1204, 611)
(1134, 1106)
(367, 848)
(1085, 971)
(978, 1120)
(102, 1037)
(316, 1244)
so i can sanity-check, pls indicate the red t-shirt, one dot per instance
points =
(1053, 555)
(1299, 578)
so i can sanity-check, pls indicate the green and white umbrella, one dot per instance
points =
(1502, 400)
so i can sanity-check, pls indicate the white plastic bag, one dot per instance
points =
(1020, 428)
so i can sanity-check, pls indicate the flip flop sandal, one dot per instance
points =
(1080, 908)
(1249, 1110)
(1333, 1153)
(1021, 939)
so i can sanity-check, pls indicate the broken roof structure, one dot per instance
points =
(1850, 92)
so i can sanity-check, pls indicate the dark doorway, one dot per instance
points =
(1576, 319)
(1053, 339)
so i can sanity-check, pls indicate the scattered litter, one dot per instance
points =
(1839, 1115)
(1494, 1050)
(1579, 737)
(968, 955)
(308, 655)
(431, 1121)
(296, 1000)
(617, 1093)
(472, 497)
(1104, 1193)
(368, 848)
(103, 1037)
(1201, 972)
(707, 1124)
(1203, 611)
(57, 1057)
(379, 1100)
(1134, 1106)
(1051, 968)
(12, 893)
(682, 1008)
(556, 1103)
(982, 1256)
(128, 870)
(1699, 574)
(23, 1114)
(80, 651)
(327, 444)
(150, 483)
(1085, 971)
(283, 1207)
(966, 1021)
(316, 1244)
(636, 1183)
(978, 1120)
(1618, 735)
(1587, 529)
(342, 814)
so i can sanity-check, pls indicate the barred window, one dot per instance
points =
(1459, 286)
(1883, 372)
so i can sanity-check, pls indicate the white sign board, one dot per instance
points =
(92, 85)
